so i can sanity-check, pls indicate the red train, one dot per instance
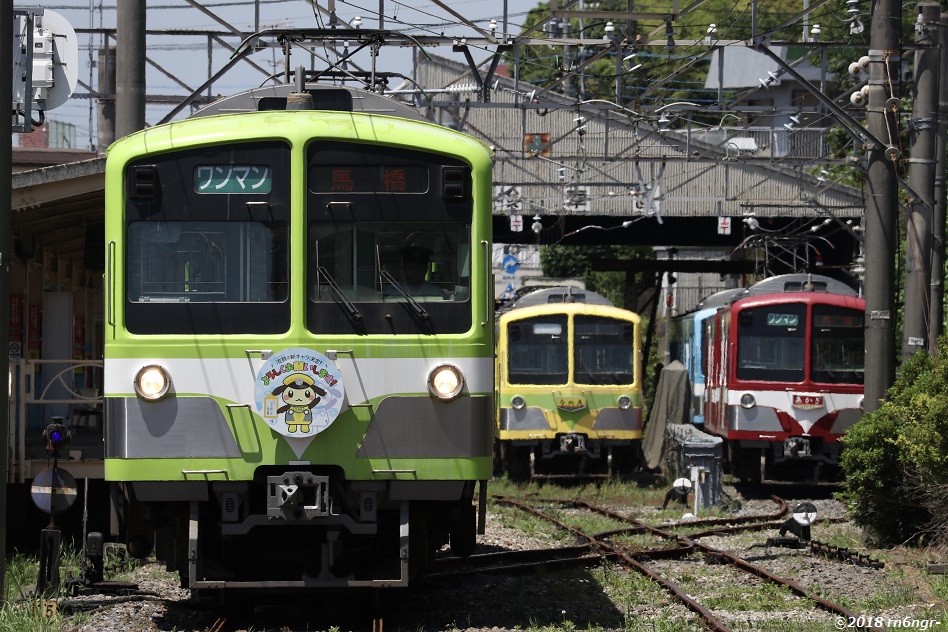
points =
(785, 376)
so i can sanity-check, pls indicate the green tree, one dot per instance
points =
(576, 262)
(662, 73)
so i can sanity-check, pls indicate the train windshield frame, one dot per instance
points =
(837, 346)
(603, 350)
(538, 350)
(388, 244)
(207, 240)
(771, 343)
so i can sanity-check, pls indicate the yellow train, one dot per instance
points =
(569, 386)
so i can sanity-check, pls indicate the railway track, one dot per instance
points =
(561, 568)
(675, 555)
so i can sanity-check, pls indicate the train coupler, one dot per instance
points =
(298, 496)
(796, 447)
(571, 443)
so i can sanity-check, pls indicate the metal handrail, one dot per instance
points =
(25, 369)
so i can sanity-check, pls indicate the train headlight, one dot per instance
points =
(152, 383)
(748, 401)
(625, 402)
(445, 381)
(517, 402)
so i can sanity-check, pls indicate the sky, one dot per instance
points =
(186, 57)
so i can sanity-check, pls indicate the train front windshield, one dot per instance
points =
(208, 241)
(772, 343)
(388, 246)
(837, 348)
(387, 241)
(539, 350)
(602, 350)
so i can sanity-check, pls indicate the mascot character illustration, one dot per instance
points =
(299, 394)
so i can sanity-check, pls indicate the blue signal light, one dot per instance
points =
(57, 436)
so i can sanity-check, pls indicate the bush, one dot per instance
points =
(896, 457)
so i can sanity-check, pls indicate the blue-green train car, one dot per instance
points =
(287, 408)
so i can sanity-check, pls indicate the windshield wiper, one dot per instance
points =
(352, 309)
(420, 311)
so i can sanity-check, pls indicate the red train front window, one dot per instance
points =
(837, 350)
(772, 343)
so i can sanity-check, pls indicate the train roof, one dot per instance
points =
(325, 97)
(799, 283)
(560, 294)
(721, 298)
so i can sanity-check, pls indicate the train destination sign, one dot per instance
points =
(233, 179)
(807, 402)
(571, 404)
(369, 179)
(783, 320)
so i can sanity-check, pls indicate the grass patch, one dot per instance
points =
(939, 585)
(25, 611)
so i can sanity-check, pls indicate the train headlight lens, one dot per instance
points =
(748, 401)
(625, 402)
(152, 383)
(445, 381)
(517, 402)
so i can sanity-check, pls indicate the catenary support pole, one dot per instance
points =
(881, 240)
(918, 245)
(937, 318)
(106, 100)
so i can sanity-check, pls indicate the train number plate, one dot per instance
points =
(571, 404)
(808, 402)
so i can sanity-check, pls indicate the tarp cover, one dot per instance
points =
(672, 406)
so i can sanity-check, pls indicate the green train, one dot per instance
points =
(569, 386)
(299, 341)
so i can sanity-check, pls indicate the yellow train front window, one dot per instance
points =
(602, 350)
(538, 350)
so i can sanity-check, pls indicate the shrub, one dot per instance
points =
(896, 457)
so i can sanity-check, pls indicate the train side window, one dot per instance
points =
(707, 338)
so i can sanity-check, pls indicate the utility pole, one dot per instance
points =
(882, 204)
(918, 246)
(6, 258)
(130, 67)
(937, 318)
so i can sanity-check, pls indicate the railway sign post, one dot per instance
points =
(53, 490)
